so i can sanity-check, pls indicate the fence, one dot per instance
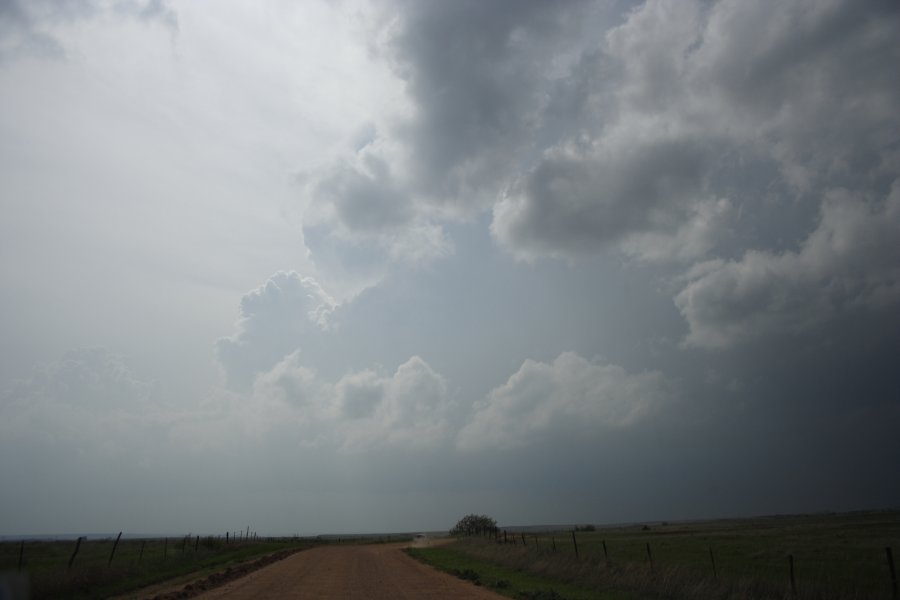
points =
(103, 565)
(802, 558)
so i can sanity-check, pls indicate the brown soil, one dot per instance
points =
(377, 572)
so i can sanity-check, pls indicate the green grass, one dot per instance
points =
(835, 556)
(831, 552)
(92, 576)
(504, 580)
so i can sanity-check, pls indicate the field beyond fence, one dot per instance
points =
(839, 556)
(105, 567)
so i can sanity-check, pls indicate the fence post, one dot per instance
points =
(649, 555)
(605, 553)
(22, 554)
(505, 541)
(793, 582)
(524, 543)
(226, 537)
(536, 545)
(165, 548)
(141, 555)
(890, 561)
(77, 546)
(553, 541)
(197, 544)
(575, 543)
(712, 559)
(115, 545)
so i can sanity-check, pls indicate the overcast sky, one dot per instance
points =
(359, 267)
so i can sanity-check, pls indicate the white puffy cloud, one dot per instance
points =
(363, 410)
(291, 383)
(569, 397)
(409, 408)
(848, 264)
(274, 320)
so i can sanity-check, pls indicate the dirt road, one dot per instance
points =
(377, 572)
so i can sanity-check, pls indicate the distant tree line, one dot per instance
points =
(474, 525)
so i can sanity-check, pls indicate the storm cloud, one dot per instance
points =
(369, 266)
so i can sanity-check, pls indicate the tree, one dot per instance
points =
(474, 525)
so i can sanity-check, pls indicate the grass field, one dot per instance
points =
(834, 556)
(136, 564)
(509, 581)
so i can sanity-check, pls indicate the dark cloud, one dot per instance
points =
(675, 90)
(742, 157)
(476, 77)
(365, 196)
(477, 74)
(848, 264)
(19, 35)
(581, 200)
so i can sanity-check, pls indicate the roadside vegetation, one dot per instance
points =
(97, 572)
(822, 557)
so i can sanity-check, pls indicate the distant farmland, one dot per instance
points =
(814, 556)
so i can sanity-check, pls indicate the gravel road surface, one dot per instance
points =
(377, 572)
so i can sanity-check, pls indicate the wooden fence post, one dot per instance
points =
(605, 553)
(22, 554)
(505, 541)
(165, 548)
(575, 543)
(793, 582)
(712, 559)
(77, 546)
(649, 555)
(113, 552)
(524, 543)
(141, 555)
(553, 541)
(197, 544)
(890, 561)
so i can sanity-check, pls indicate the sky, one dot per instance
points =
(333, 267)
